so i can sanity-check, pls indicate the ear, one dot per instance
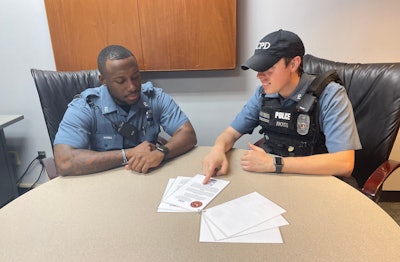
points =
(102, 80)
(295, 63)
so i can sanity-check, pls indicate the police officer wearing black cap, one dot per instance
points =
(296, 141)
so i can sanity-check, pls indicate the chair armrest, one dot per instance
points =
(373, 186)
(50, 167)
(259, 142)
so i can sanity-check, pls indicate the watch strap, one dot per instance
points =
(278, 164)
(164, 150)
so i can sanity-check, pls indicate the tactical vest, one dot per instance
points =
(295, 130)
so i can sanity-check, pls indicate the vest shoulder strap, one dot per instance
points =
(310, 98)
(321, 81)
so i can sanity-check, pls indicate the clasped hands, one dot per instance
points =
(143, 157)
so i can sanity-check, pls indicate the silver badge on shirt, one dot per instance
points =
(303, 124)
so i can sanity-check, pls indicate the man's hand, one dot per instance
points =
(257, 160)
(143, 157)
(215, 163)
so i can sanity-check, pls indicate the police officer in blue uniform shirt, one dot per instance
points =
(289, 147)
(120, 121)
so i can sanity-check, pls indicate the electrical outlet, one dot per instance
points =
(41, 154)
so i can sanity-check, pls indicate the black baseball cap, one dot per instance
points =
(273, 47)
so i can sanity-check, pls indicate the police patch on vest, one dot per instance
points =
(303, 124)
(264, 116)
(282, 119)
(282, 115)
(282, 124)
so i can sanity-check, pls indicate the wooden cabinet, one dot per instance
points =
(164, 35)
(79, 29)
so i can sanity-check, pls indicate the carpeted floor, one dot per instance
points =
(392, 208)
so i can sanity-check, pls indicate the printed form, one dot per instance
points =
(172, 186)
(192, 195)
(248, 219)
(251, 218)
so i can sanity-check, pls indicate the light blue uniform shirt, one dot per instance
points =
(95, 127)
(336, 117)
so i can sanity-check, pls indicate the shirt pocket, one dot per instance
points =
(106, 142)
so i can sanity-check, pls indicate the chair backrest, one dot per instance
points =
(57, 89)
(374, 91)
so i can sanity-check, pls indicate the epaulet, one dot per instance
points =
(148, 89)
(88, 95)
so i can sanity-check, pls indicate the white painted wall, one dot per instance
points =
(341, 30)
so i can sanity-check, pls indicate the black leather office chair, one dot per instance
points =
(56, 89)
(374, 91)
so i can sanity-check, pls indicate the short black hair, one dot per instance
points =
(112, 52)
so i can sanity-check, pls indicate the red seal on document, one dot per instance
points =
(196, 204)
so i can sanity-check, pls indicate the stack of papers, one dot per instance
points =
(188, 194)
(248, 219)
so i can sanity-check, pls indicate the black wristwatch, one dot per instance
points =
(163, 149)
(278, 164)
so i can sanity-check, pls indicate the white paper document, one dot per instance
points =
(248, 219)
(172, 186)
(193, 195)
(271, 235)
